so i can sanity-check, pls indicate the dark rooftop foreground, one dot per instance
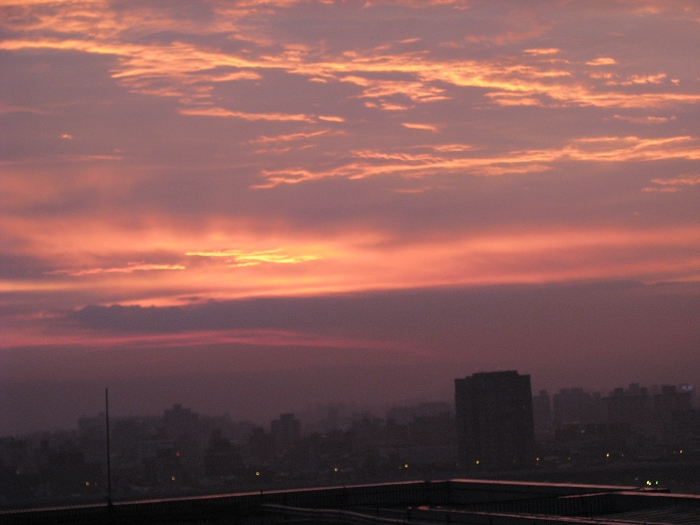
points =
(416, 502)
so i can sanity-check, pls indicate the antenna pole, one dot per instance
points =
(109, 464)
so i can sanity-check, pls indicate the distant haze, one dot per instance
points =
(372, 349)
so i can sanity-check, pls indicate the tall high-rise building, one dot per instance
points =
(542, 414)
(495, 427)
(286, 432)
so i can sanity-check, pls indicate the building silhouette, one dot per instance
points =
(495, 428)
(286, 432)
(542, 414)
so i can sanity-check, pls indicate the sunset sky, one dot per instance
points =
(251, 185)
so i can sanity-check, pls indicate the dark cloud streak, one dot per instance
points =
(571, 322)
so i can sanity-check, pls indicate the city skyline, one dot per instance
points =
(638, 436)
(366, 198)
(58, 406)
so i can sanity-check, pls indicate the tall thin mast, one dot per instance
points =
(109, 464)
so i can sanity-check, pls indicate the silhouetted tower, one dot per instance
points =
(542, 414)
(495, 428)
(286, 431)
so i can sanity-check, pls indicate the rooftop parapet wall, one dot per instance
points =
(479, 496)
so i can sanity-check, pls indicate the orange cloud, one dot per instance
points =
(220, 112)
(543, 51)
(386, 106)
(416, 91)
(189, 73)
(5, 109)
(596, 149)
(645, 120)
(129, 268)
(241, 258)
(452, 147)
(602, 61)
(348, 260)
(290, 137)
(61, 158)
(624, 149)
(673, 184)
(385, 78)
(199, 338)
(644, 79)
(424, 127)
(331, 118)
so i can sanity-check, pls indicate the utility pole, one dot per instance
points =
(109, 464)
